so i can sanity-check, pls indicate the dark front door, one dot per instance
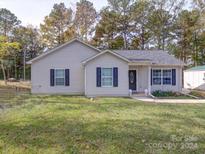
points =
(132, 80)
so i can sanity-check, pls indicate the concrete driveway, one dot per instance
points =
(174, 101)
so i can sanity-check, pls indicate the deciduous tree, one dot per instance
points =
(8, 21)
(30, 46)
(6, 50)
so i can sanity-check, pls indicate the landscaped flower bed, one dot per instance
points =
(169, 94)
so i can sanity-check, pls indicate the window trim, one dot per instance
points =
(58, 77)
(106, 77)
(161, 77)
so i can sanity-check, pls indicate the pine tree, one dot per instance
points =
(85, 19)
(56, 24)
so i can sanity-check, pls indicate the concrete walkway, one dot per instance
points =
(173, 101)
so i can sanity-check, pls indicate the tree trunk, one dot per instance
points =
(8, 73)
(196, 51)
(159, 42)
(15, 68)
(142, 38)
(125, 40)
(4, 73)
(163, 38)
(163, 41)
(24, 65)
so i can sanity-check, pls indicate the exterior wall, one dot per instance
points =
(177, 87)
(194, 80)
(69, 57)
(106, 60)
(143, 78)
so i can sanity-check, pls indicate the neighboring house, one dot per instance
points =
(77, 68)
(194, 78)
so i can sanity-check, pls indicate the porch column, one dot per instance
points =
(149, 80)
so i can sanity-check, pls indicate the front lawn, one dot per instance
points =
(62, 124)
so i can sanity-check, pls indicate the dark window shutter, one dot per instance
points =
(98, 77)
(173, 77)
(52, 77)
(151, 77)
(67, 77)
(115, 77)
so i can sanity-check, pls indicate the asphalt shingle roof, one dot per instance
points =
(154, 56)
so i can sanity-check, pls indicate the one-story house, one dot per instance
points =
(194, 78)
(77, 68)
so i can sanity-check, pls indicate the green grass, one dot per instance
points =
(62, 124)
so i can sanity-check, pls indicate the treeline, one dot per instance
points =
(170, 25)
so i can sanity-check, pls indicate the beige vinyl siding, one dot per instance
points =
(83, 78)
(69, 57)
(106, 60)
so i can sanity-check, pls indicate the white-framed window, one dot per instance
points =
(59, 77)
(156, 76)
(106, 77)
(167, 77)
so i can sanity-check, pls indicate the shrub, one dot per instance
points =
(160, 93)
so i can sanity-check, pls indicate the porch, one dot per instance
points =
(154, 77)
(139, 78)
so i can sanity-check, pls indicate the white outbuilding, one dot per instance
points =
(194, 78)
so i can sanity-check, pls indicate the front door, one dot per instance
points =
(132, 80)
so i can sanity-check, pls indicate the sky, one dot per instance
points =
(34, 11)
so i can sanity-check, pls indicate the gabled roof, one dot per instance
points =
(157, 57)
(104, 52)
(61, 46)
(197, 68)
